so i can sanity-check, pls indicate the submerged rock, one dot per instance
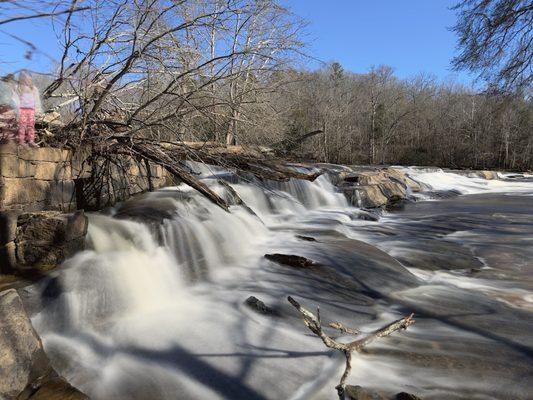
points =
(25, 370)
(290, 260)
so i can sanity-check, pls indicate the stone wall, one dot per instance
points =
(43, 192)
(63, 180)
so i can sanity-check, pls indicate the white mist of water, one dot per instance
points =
(437, 179)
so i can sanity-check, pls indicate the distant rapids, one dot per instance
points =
(154, 308)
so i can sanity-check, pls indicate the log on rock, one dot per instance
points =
(290, 260)
(261, 161)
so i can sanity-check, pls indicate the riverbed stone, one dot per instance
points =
(25, 370)
(22, 357)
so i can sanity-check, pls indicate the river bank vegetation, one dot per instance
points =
(234, 72)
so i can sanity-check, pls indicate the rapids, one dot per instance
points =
(154, 308)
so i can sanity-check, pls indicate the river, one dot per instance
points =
(154, 308)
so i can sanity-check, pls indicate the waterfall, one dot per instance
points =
(154, 308)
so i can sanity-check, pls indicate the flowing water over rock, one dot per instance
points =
(156, 309)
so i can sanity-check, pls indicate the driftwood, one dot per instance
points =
(314, 324)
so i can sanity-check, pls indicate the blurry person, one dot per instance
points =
(8, 107)
(29, 103)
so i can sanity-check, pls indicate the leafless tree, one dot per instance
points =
(496, 41)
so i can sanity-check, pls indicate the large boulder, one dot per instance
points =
(376, 188)
(25, 370)
(21, 354)
(368, 196)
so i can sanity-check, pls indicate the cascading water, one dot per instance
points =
(153, 309)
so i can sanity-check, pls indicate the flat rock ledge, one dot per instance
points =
(25, 370)
(374, 188)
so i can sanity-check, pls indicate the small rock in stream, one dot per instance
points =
(306, 238)
(290, 260)
(257, 305)
(406, 396)
(359, 393)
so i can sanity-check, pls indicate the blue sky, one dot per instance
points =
(412, 36)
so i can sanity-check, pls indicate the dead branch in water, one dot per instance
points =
(314, 324)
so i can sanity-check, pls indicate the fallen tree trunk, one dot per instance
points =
(178, 171)
(261, 162)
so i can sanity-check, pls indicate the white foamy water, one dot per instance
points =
(438, 179)
(155, 311)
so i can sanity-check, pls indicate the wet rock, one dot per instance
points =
(359, 393)
(369, 196)
(397, 203)
(290, 260)
(147, 210)
(56, 389)
(372, 214)
(406, 396)
(444, 194)
(305, 238)
(25, 370)
(257, 305)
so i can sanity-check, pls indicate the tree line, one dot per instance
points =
(376, 118)
(230, 72)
